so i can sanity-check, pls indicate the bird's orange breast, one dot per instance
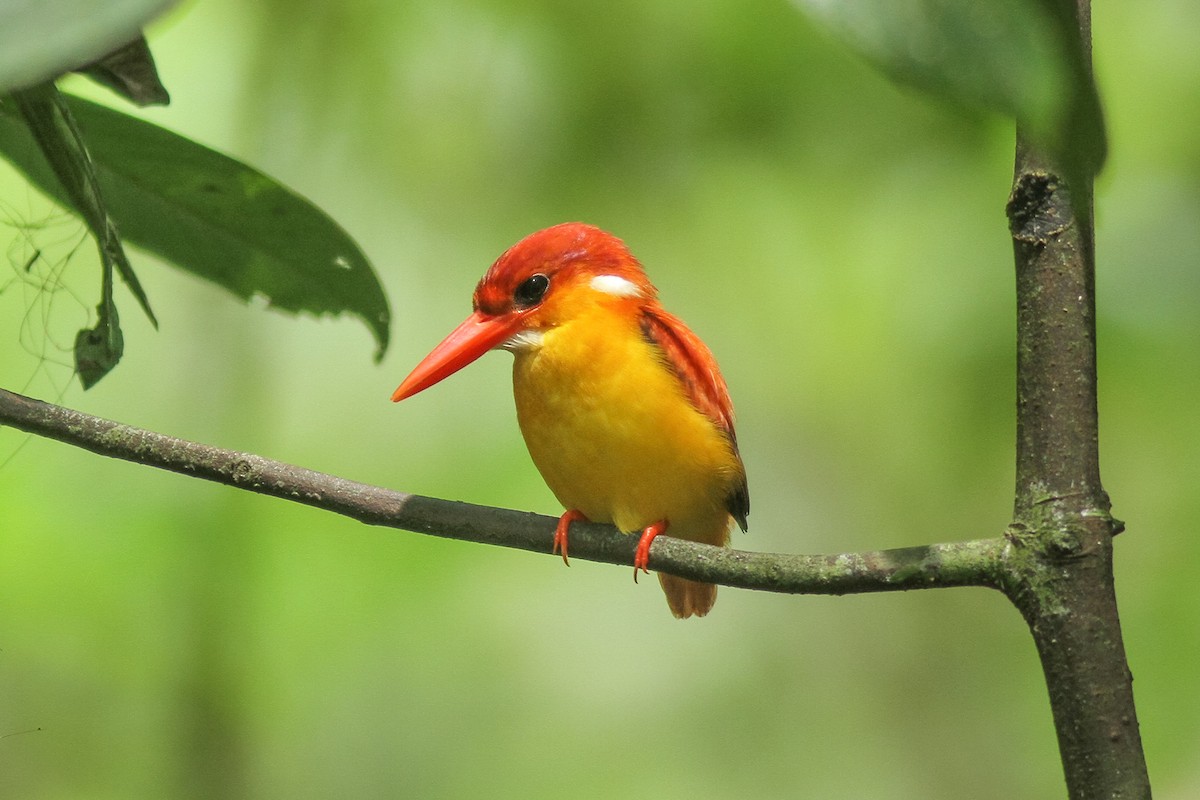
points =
(612, 431)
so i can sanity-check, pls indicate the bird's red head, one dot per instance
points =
(535, 285)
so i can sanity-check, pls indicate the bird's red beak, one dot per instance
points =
(475, 336)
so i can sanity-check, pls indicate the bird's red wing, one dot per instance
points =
(691, 360)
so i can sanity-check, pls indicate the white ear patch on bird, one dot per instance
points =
(616, 286)
(524, 340)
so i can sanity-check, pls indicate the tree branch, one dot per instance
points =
(1061, 570)
(971, 563)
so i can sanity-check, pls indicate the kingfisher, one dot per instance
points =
(622, 407)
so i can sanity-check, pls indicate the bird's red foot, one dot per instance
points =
(641, 560)
(564, 527)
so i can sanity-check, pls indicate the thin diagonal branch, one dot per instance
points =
(971, 563)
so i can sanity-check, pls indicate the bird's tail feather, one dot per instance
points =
(688, 598)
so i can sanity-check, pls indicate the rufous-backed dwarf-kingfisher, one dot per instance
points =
(622, 407)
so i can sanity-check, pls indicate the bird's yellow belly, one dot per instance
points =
(611, 431)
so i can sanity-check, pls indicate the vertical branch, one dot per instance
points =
(1061, 575)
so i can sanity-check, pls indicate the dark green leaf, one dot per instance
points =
(44, 39)
(1021, 58)
(52, 124)
(130, 72)
(97, 350)
(215, 217)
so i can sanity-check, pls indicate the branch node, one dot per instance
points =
(1039, 208)
(242, 473)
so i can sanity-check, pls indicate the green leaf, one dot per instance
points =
(97, 350)
(53, 126)
(1022, 58)
(42, 39)
(130, 72)
(214, 216)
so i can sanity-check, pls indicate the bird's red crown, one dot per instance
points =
(570, 249)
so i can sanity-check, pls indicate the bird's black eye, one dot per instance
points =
(531, 291)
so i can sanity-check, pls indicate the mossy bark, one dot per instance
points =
(1059, 570)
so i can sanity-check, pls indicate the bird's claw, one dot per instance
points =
(563, 528)
(641, 559)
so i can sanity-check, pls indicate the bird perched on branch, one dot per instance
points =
(622, 407)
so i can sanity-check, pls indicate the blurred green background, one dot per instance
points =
(840, 244)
